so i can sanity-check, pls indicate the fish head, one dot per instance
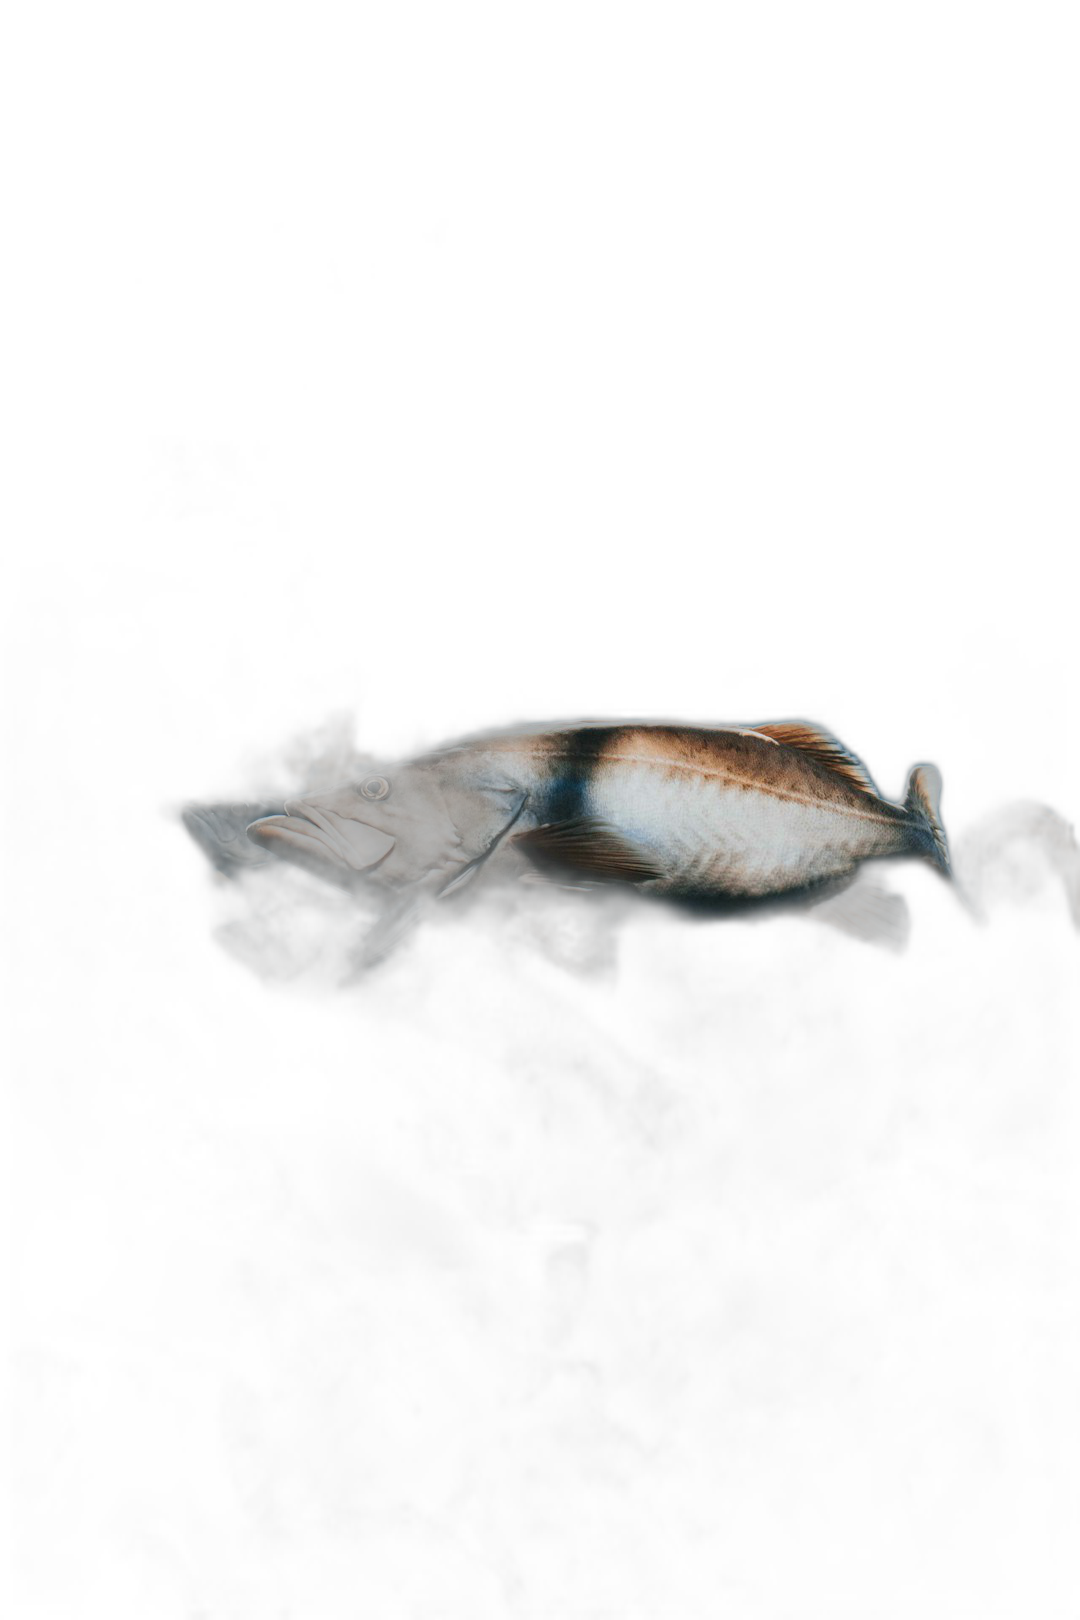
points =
(395, 825)
(217, 828)
(287, 946)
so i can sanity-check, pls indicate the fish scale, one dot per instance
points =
(686, 812)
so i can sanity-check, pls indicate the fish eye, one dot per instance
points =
(376, 787)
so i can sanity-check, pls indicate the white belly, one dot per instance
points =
(713, 835)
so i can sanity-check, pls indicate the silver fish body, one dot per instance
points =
(710, 815)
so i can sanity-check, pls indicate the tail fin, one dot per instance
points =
(549, 1272)
(923, 804)
(667, 1112)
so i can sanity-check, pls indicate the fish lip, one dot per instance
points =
(331, 832)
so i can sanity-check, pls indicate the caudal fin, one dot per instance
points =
(923, 804)
(667, 1112)
(548, 1269)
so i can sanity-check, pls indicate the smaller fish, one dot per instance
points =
(983, 848)
(457, 992)
(217, 828)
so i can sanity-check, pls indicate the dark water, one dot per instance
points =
(829, 1353)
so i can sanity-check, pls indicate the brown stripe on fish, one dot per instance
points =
(763, 764)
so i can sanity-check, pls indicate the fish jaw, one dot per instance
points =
(316, 836)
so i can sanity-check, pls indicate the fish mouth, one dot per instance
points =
(309, 834)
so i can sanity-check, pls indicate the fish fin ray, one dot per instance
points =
(868, 912)
(387, 945)
(821, 746)
(667, 1110)
(583, 950)
(590, 848)
(922, 802)
(549, 1272)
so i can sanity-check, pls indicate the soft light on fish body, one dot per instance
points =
(703, 814)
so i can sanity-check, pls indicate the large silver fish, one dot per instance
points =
(217, 828)
(457, 992)
(706, 815)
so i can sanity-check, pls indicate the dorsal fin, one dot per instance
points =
(822, 746)
(589, 848)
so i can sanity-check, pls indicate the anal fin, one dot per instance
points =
(868, 912)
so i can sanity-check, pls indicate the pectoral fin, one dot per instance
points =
(589, 848)
(585, 950)
(387, 946)
(870, 911)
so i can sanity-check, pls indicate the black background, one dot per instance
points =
(756, 443)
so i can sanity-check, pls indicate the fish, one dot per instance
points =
(452, 989)
(982, 848)
(711, 817)
(217, 827)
